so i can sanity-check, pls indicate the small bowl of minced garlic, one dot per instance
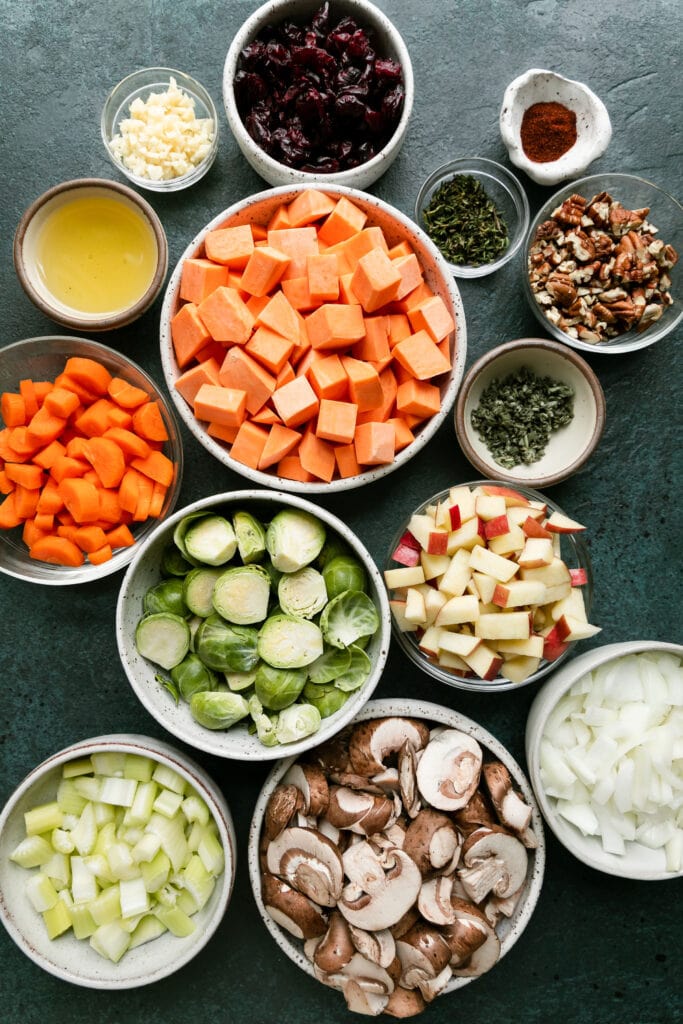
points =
(160, 128)
(530, 411)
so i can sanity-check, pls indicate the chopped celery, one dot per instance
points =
(110, 941)
(82, 920)
(211, 854)
(58, 869)
(83, 884)
(138, 767)
(121, 861)
(169, 779)
(120, 792)
(88, 787)
(195, 809)
(103, 813)
(175, 920)
(147, 848)
(134, 897)
(41, 892)
(168, 803)
(43, 819)
(85, 833)
(197, 880)
(108, 762)
(131, 835)
(150, 927)
(107, 906)
(166, 896)
(186, 902)
(105, 837)
(156, 871)
(140, 810)
(81, 766)
(32, 852)
(172, 835)
(69, 799)
(57, 919)
(98, 865)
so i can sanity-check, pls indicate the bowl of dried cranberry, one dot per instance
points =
(314, 91)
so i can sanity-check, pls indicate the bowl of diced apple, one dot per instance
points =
(490, 587)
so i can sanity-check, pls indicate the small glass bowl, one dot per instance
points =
(575, 555)
(139, 85)
(666, 214)
(42, 359)
(502, 187)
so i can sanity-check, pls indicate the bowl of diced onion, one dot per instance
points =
(603, 740)
(117, 862)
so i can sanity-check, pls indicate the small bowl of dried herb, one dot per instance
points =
(531, 411)
(476, 213)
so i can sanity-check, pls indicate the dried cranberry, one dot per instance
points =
(388, 69)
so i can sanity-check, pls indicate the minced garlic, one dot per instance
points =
(162, 138)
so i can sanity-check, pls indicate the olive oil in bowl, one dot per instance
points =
(96, 254)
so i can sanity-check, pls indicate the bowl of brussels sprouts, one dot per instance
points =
(253, 624)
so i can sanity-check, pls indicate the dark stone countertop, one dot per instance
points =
(598, 950)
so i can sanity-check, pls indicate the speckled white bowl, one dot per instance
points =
(72, 959)
(389, 43)
(258, 209)
(236, 743)
(593, 126)
(638, 862)
(508, 929)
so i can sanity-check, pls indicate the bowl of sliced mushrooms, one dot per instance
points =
(399, 860)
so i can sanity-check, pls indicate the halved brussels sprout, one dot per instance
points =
(226, 647)
(327, 698)
(333, 547)
(242, 594)
(163, 638)
(344, 573)
(285, 641)
(198, 589)
(210, 539)
(348, 617)
(173, 562)
(302, 593)
(332, 663)
(357, 672)
(218, 710)
(239, 681)
(277, 688)
(294, 538)
(165, 596)
(193, 676)
(251, 537)
(296, 722)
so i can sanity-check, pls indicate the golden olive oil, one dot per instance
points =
(96, 254)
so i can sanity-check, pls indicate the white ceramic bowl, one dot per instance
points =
(575, 555)
(258, 209)
(389, 44)
(28, 260)
(72, 959)
(235, 743)
(509, 929)
(638, 861)
(139, 85)
(593, 126)
(568, 448)
(42, 359)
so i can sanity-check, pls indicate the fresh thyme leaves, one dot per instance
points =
(464, 223)
(516, 416)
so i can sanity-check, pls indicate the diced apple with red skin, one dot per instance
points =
(434, 566)
(457, 576)
(552, 574)
(485, 662)
(497, 527)
(458, 610)
(461, 644)
(517, 593)
(470, 535)
(486, 586)
(570, 628)
(503, 626)
(421, 526)
(537, 551)
(405, 555)
(517, 514)
(454, 663)
(489, 506)
(530, 648)
(519, 668)
(578, 577)
(483, 560)
(463, 497)
(410, 576)
(533, 528)
(434, 602)
(557, 592)
(573, 604)
(553, 645)
(430, 641)
(398, 609)
(557, 522)
(509, 543)
(415, 607)
(437, 543)
(511, 496)
(455, 517)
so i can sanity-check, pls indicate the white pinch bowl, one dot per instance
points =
(593, 125)
(509, 929)
(638, 862)
(67, 957)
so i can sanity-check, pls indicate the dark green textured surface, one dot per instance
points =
(597, 950)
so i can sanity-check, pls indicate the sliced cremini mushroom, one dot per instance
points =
(383, 908)
(284, 802)
(430, 988)
(477, 811)
(423, 952)
(363, 866)
(359, 811)
(448, 771)
(379, 946)
(407, 778)
(333, 755)
(493, 861)
(366, 986)
(404, 1003)
(311, 782)
(470, 933)
(309, 862)
(483, 958)
(433, 842)
(335, 948)
(511, 809)
(405, 922)
(434, 900)
(359, 1000)
(387, 780)
(291, 909)
(351, 780)
(372, 742)
(497, 907)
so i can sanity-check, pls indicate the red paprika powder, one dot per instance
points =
(548, 130)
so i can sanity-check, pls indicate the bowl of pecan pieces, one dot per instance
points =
(602, 270)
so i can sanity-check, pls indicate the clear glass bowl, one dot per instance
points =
(42, 359)
(501, 186)
(666, 214)
(139, 85)
(575, 555)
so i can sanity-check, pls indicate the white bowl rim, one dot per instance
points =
(543, 704)
(145, 746)
(218, 450)
(207, 740)
(426, 710)
(272, 9)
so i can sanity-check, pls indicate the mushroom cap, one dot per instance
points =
(512, 810)
(423, 952)
(476, 812)
(404, 1002)
(469, 931)
(382, 909)
(311, 782)
(378, 946)
(434, 900)
(364, 867)
(373, 741)
(433, 841)
(309, 862)
(335, 948)
(284, 802)
(291, 909)
(494, 859)
(359, 811)
(407, 779)
(449, 769)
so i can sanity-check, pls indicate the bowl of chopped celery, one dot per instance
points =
(531, 411)
(117, 861)
(253, 625)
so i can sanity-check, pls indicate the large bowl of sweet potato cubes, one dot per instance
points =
(312, 339)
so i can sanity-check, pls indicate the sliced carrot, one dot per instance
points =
(158, 499)
(103, 554)
(66, 466)
(27, 390)
(25, 500)
(50, 501)
(87, 397)
(9, 516)
(157, 467)
(28, 475)
(57, 551)
(13, 409)
(48, 455)
(89, 538)
(120, 537)
(32, 531)
(125, 394)
(145, 494)
(61, 402)
(129, 490)
(96, 418)
(20, 445)
(44, 427)
(80, 498)
(148, 422)
(130, 443)
(111, 512)
(107, 459)
(92, 374)
(6, 485)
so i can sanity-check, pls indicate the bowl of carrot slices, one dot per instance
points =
(312, 339)
(90, 459)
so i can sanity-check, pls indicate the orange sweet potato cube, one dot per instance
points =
(345, 220)
(323, 277)
(279, 315)
(347, 463)
(296, 244)
(365, 387)
(265, 267)
(309, 205)
(336, 421)
(375, 280)
(217, 404)
(417, 398)
(226, 316)
(419, 355)
(240, 371)
(295, 402)
(375, 443)
(334, 325)
(411, 274)
(317, 456)
(231, 246)
(188, 334)
(199, 278)
(328, 377)
(269, 348)
(433, 317)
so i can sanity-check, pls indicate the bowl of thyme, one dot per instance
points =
(531, 411)
(476, 213)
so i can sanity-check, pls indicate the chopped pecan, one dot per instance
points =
(571, 210)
